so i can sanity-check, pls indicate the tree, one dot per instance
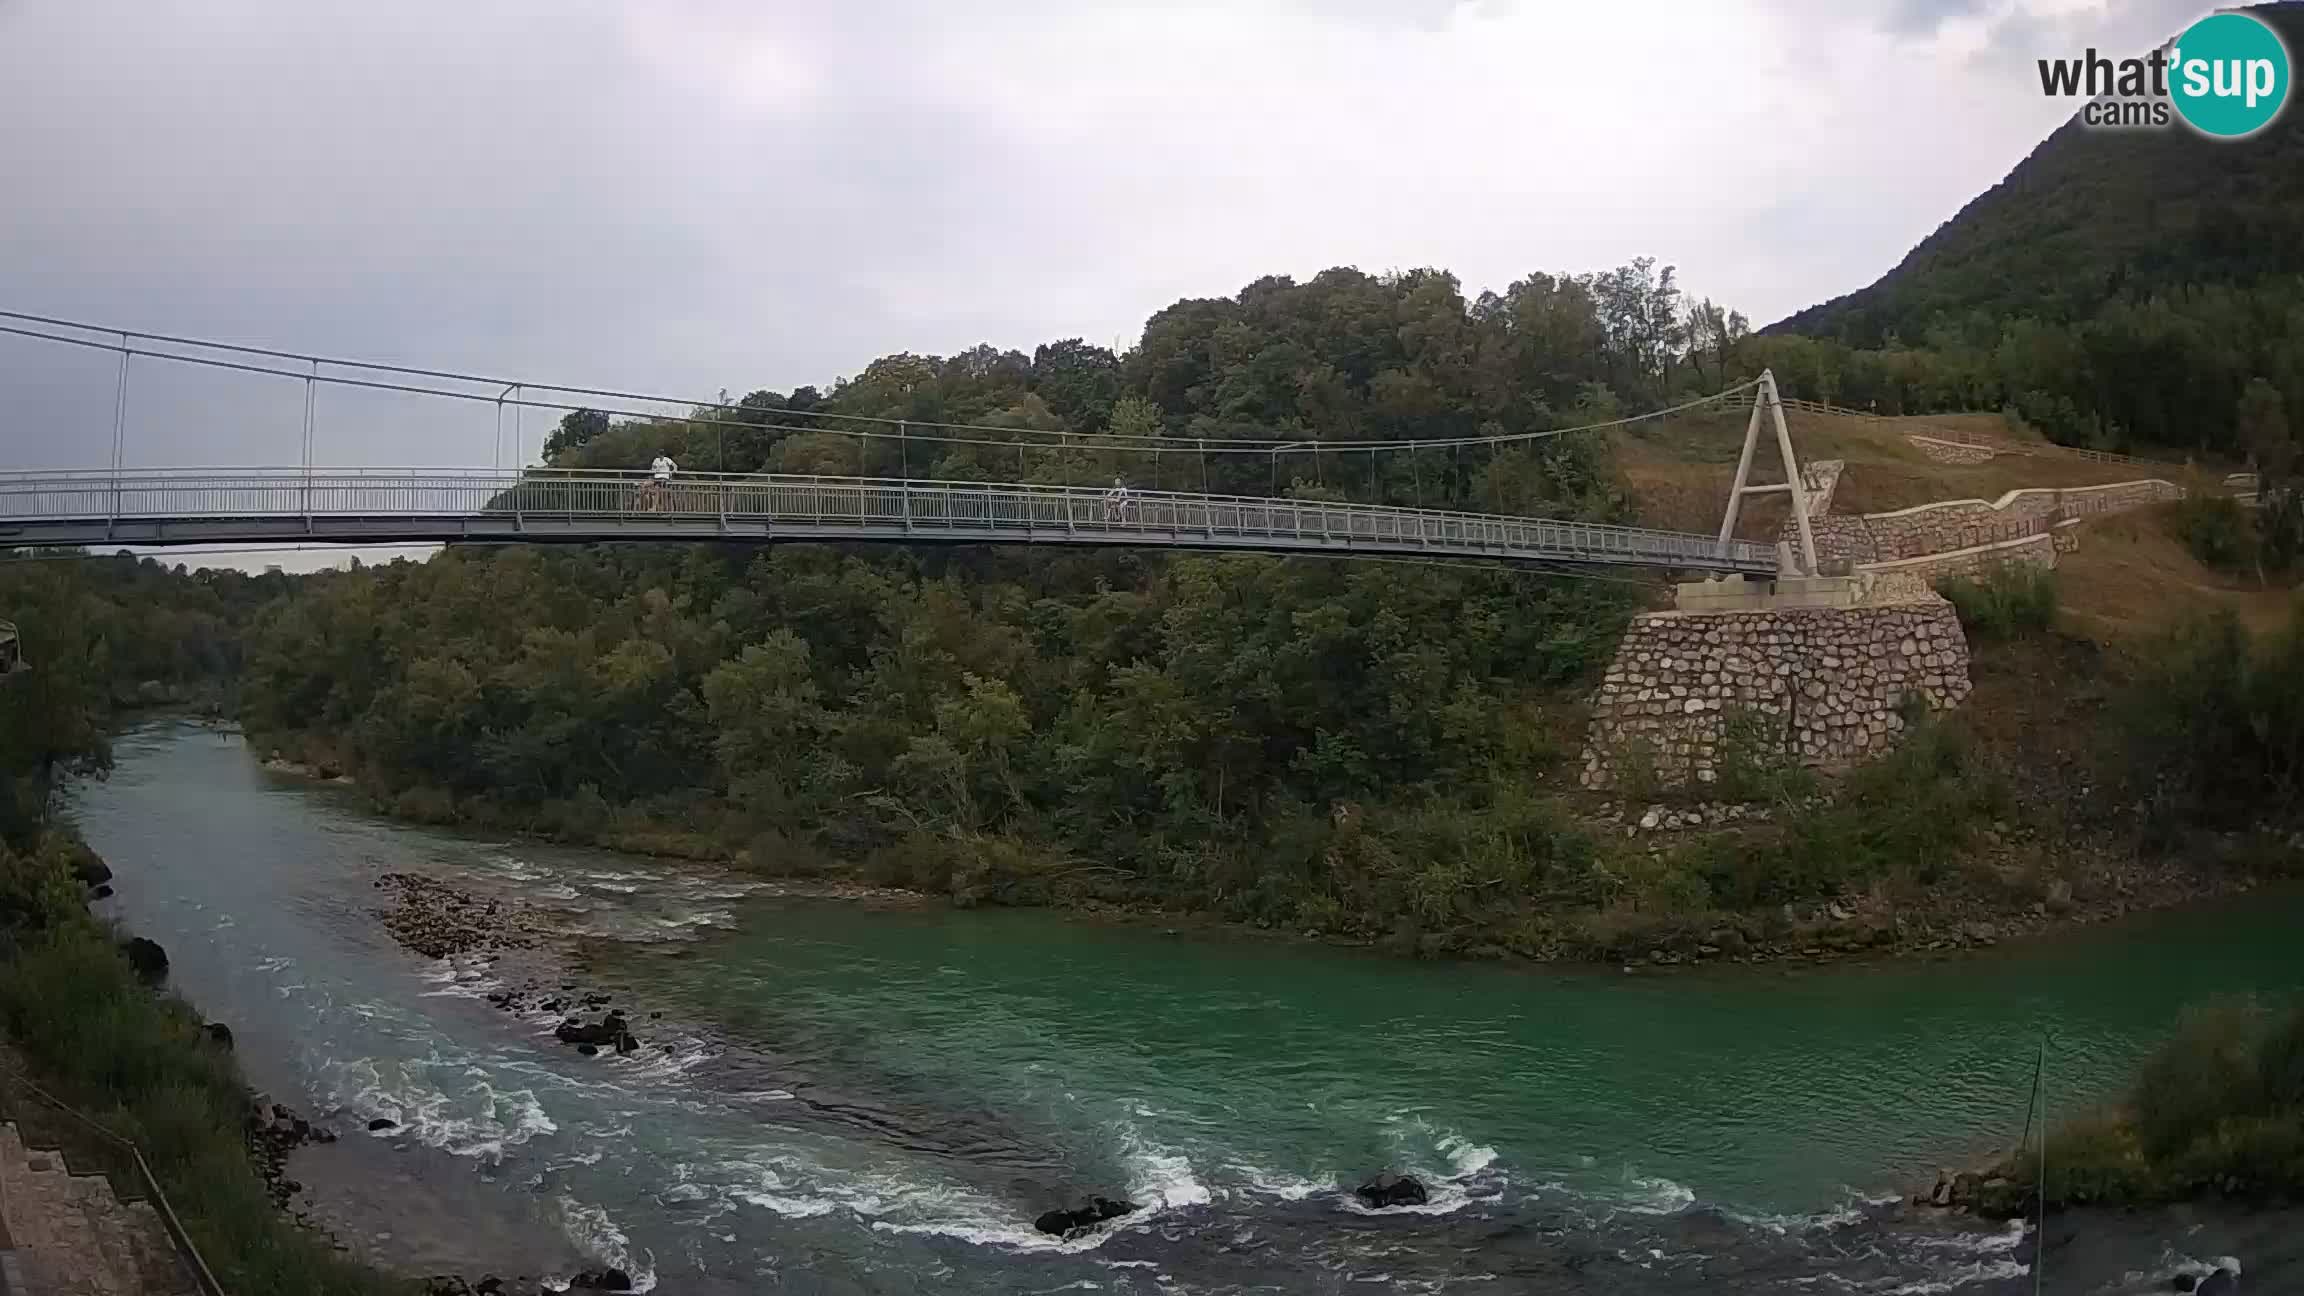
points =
(577, 429)
(2265, 434)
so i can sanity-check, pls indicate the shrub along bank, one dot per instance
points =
(2217, 1108)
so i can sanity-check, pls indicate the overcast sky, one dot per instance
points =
(690, 195)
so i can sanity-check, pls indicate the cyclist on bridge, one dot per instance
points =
(1116, 501)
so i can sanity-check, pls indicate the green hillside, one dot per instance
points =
(2094, 216)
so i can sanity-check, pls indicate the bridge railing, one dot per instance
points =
(751, 504)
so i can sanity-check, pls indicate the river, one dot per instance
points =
(880, 1099)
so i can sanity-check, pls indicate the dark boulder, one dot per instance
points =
(588, 1050)
(220, 1034)
(383, 1123)
(601, 1034)
(1063, 1223)
(602, 1280)
(146, 956)
(2223, 1282)
(1392, 1190)
(89, 867)
(101, 892)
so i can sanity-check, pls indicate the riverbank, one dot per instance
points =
(2008, 884)
(80, 1015)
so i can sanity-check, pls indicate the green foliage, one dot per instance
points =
(1899, 817)
(2151, 330)
(140, 1066)
(2214, 724)
(2216, 530)
(2219, 1105)
(2206, 1072)
(2006, 600)
(999, 726)
(1753, 761)
(102, 634)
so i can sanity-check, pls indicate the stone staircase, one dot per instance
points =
(68, 1235)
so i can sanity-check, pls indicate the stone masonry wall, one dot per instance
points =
(1965, 524)
(1952, 452)
(1824, 685)
(2036, 550)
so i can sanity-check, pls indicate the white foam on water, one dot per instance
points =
(595, 1234)
(482, 1122)
(1655, 1195)
(276, 963)
(1960, 1276)
(1158, 1177)
(1467, 1157)
(1273, 1183)
(1976, 1243)
(459, 977)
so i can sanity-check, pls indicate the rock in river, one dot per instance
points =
(146, 956)
(1392, 1190)
(1065, 1222)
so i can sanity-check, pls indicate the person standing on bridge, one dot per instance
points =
(1116, 501)
(660, 472)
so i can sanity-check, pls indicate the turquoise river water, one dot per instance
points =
(867, 1098)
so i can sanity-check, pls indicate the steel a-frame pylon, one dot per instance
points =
(1767, 402)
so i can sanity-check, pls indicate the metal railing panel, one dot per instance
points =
(625, 503)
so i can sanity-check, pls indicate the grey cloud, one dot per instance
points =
(1923, 17)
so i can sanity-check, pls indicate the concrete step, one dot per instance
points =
(74, 1237)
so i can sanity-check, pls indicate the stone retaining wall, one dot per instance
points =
(1926, 529)
(1823, 685)
(1952, 452)
(2036, 550)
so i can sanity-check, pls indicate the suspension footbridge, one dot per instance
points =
(310, 503)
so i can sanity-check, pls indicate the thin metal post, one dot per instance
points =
(1373, 498)
(119, 435)
(310, 384)
(1207, 512)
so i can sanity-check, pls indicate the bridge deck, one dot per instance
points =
(371, 506)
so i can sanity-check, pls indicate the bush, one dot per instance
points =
(1898, 817)
(2204, 1073)
(2217, 531)
(2215, 723)
(2219, 1105)
(2003, 601)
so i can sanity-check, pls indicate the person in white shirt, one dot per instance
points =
(660, 472)
(1116, 501)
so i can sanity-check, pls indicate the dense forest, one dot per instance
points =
(103, 635)
(2120, 289)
